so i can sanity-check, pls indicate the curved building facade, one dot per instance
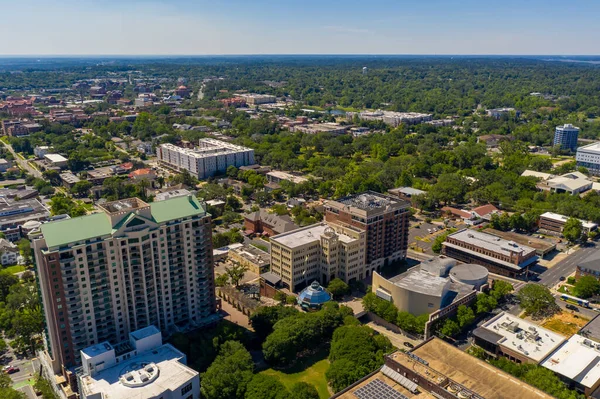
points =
(471, 274)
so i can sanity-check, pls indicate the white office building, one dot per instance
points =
(589, 157)
(210, 157)
(139, 368)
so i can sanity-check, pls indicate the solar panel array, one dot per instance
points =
(400, 379)
(378, 389)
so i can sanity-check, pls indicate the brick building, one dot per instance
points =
(384, 218)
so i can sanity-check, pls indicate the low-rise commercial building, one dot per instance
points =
(56, 160)
(210, 157)
(498, 255)
(277, 177)
(573, 183)
(500, 112)
(14, 214)
(390, 117)
(257, 99)
(518, 340)
(589, 266)
(320, 252)
(263, 222)
(139, 368)
(69, 179)
(328, 127)
(256, 260)
(437, 370)
(577, 363)
(554, 223)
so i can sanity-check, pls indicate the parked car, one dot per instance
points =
(409, 345)
(11, 369)
(572, 307)
(562, 278)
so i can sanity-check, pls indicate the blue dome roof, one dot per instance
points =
(314, 294)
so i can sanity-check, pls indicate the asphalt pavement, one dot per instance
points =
(22, 163)
(567, 266)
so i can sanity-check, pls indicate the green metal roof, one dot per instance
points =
(176, 208)
(81, 228)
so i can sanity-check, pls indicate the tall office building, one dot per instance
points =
(566, 137)
(105, 275)
(318, 252)
(384, 218)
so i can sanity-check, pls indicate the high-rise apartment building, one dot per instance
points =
(210, 157)
(318, 252)
(133, 265)
(566, 137)
(385, 220)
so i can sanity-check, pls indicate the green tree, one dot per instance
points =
(7, 280)
(221, 280)
(450, 328)
(501, 289)
(303, 390)
(587, 286)
(236, 273)
(265, 317)
(485, 303)
(572, 229)
(81, 188)
(228, 376)
(465, 316)
(264, 386)
(537, 300)
(338, 288)
(25, 250)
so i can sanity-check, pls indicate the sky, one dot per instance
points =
(215, 27)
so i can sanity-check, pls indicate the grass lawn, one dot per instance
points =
(311, 370)
(15, 269)
(565, 323)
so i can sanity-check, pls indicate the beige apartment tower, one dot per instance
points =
(105, 275)
(320, 252)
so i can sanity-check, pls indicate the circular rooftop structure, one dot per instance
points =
(32, 225)
(470, 273)
(139, 374)
(313, 296)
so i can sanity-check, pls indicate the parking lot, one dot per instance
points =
(423, 235)
(24, 378)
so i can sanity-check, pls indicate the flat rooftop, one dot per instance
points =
(144, 333)
(306, 235)
(577, 359)
(351, 393)
(372, 201)
(520, 336)
(474, 374)
(420, 281)
(563, 219)
(169, 374)
(593, 148)
(540, 245)
(18, 212)
(592, 329)
(491, 243)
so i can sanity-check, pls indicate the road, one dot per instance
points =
(567, 266)
(22, 163)
(584, 312)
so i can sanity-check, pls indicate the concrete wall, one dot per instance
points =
(407, 300)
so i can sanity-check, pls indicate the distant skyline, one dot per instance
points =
(202, 27)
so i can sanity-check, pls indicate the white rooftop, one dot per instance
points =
(55, 158)
(144, 376)
(287, 176)
(305, 235)
(144, 333)
(171, 194)
(524, 337)
(491, 242)
(577, 359)
(563, 219)
(539, 175)
(590, 148)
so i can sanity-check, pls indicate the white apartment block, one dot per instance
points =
(390, 117)
(257, 99)
(319, 252)
(589, 157)
(139, 368)
(107, 274)
(210, 157)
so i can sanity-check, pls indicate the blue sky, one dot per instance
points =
(71, 27)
